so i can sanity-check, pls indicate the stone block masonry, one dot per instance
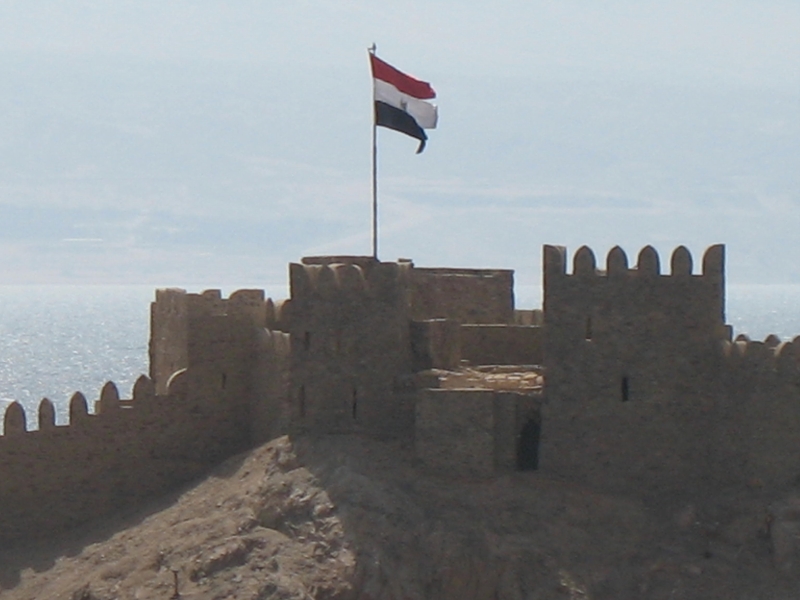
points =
(61, 476)
(502, 344)
(645, 392)
(477, 432)
(462, 295)
(350, 336)
(210, 408)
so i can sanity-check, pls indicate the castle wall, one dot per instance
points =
(60, 476)
(435, 344)
(230, 395)
(454, 431)
(350, 344)
(529, 317)
(632, 358)
(631, 333)
(169, 330)
(644, 390)
(743, 429)
(463, 295)
(502, 344)
(761, 392)
(242, 361)
(471, 432)
(270, 408)
(175, 313)
(649, 448)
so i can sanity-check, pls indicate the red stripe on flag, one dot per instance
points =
(404, 83)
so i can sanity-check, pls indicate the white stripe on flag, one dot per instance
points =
(424, 113)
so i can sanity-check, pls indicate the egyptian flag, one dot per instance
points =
(400, 101)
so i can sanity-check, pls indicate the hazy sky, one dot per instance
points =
(187, 142)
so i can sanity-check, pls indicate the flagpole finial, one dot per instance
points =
(372, 49)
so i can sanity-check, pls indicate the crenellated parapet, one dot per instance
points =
(178, 302)
(624, 331)
(349, 327)
(330, 281)
(109, 402)
(645, 387)
(648, 264)
(610, 304)
(752, 358)
(129, 448)
(182, 321)
(467, 296)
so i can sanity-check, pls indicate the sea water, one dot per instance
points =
(55, 340)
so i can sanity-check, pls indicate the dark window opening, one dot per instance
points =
(224, 381)
(307, 341)
(301, 397)
(354, 407)
(528, 446)
(625, 396)
(588, 328)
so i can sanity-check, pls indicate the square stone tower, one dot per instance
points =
(631, 333)
(633, 366)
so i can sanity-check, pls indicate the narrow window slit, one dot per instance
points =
(301, 397)
(528, 446)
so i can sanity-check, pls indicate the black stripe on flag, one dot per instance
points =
(394, 118)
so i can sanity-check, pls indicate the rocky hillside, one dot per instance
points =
(347, 518)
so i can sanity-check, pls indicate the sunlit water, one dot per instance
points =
(55, 340)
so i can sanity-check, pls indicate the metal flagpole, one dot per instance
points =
(372, 50)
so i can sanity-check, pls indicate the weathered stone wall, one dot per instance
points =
(638, 447)
(644, 390)
(742, 429)
(175, 314)
(60, 476)
(189, 330)
(502, 344)
(632, 360)
(169, 330)
(228, 395)
(350, 343)
(760, 397)
(471, 432)
(435, 344)
(454, 431)
(529, 317)
(270, 409)
(463, 295)
(631, 333)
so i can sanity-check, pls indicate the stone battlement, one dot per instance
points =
(648, 263)
(58, 476)
(644, 390)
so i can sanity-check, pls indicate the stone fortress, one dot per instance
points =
(627, 381)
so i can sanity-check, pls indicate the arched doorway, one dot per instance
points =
(528, 446)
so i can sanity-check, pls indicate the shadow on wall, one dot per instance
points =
(528, 446)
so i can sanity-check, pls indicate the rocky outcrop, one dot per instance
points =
(347, 518)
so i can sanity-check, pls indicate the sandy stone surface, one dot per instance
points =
(497, 377)
(347, 518)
